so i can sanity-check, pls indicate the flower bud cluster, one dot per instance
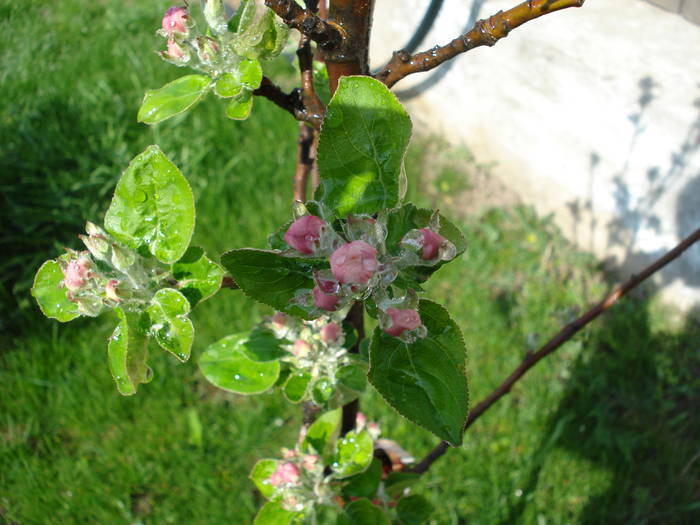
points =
(362, 267)
(299, 481)
(107, 274)
(315, 347)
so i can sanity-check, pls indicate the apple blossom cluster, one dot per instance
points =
(361, 267)
(299, 481)
(107, 274)
(216, 50)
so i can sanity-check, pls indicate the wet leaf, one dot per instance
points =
(354, 453)
(198, 277)
(127, 352)
(173, 98)
(364, 512)
(50, 295)
(169, 323)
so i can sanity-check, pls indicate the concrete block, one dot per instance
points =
(691, 10)
(670, 5)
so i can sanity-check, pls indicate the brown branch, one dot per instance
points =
(484, 33)
(291, 102)
(566, 333)
(355, 318)
(304, 162)
(350, 57)
(325, 34)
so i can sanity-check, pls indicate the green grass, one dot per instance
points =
(604, 431)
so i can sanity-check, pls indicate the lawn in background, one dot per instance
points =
(604, 431)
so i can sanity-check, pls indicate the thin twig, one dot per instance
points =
(290, 102)
(325, 34)
(566, 333)
(313, 107)
(484, 33)
(304, 162)
(355, 318)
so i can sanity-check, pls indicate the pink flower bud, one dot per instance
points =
(279, 320)
(175, 21)
(111, 290)
(174, 50)
(75, 273)
(431, 243)
(309, 462)
(325, 301)
(286, 473)
(402, 320)
(288, 453)
(360, 421)
(354, 262)
(303, 233)
(301, 348)
(330, 332)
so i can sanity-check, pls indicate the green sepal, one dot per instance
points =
(361, 147)
(173, 98)
(354, 453)
(153, 207)
(270, 278)
(425, 381)
(50, 295)
(226, 365)
(127, 352)
(198, 277)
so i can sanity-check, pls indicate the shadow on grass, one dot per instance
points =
(630, 407)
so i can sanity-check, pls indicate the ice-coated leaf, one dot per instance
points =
(153, 207)
(272, 513)
(226, 366)
(354, 453)
(198, 277)
(243, 17)
(362, 511)
(425, 381)
(413, 510)
(296, 386)
(169, 323)
(353, 376)
(50, 295)
(361, 147)
(173, 98)
(322, 432)
(263, 345)
(270, 278)
(365, 484)
(260, 475)
(127, 352)
(240, 106)
(251, 73)
(227, 85)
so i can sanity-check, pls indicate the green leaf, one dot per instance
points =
(153, 207)
(173, 98)
(50, 295)
(269, 277)
(396, 482)
(413, 510)
(169, 323)
(362, 511)
(425, 381)
(226, 366)
(251, 73)
(260, 473)
(322, 391)
(198, 278)
(354, 453)
(361, 147)
(227, 85)
(296, 386)
(365, 484)
(240, 107)
(322, 433)
(353, 376)
(272, 513)
(127, 352)
(263, 345)
(243, 16)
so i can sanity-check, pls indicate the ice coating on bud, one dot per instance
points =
(75, 273)
(111, 290)
(287, 473)
(214, 15)
(303, 233)
(431, 243)
(324, 301)
(354, 263)
(122, 258)
(402, 319)
(175, 21)
(330, 332)
(279, 320)
(174, 50)
(207, 48)
(301, 348)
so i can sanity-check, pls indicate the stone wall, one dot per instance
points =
(591, 114)
(690, 9)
